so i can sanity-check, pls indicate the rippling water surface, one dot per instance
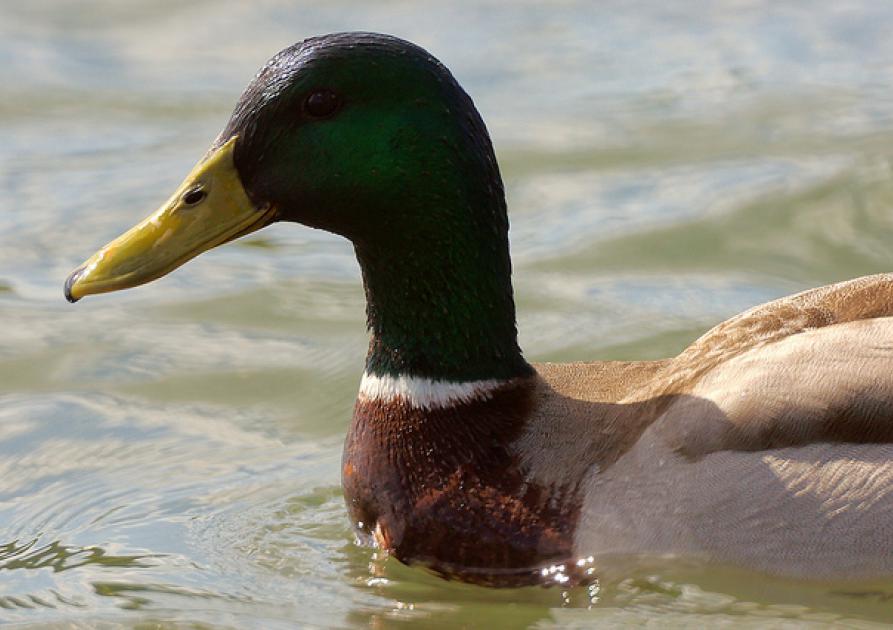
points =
(170, 455)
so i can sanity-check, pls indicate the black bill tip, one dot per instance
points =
(70, 282)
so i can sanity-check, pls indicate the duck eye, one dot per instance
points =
(321, 104)
(194, 196)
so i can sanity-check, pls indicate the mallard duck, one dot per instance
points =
(765, 444)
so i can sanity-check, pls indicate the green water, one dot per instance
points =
(170, 455)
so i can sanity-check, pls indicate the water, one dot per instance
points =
(171, 455)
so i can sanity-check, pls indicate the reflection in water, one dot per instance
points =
(59, 557)
(30, 555)
(666, 167)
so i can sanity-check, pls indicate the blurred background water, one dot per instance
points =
(170, 455)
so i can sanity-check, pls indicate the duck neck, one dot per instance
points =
(439, 300)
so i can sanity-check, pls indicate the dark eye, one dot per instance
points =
(322, 103)
(194, 196)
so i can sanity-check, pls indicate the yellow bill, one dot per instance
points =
(209, 208)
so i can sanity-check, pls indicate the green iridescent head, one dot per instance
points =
(352, 131)
(370, 137)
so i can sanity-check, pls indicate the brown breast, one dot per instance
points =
(444, 487)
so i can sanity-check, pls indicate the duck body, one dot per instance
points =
(768, 443)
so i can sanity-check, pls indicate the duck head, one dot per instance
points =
(370, 137)
(360, 134)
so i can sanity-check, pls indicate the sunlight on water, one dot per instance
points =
(171, 455)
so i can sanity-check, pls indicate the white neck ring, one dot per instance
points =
(426, 393)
